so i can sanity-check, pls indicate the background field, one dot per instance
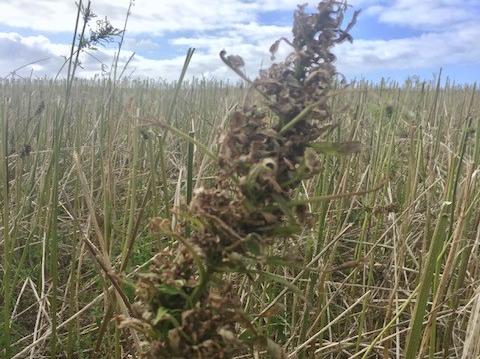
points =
(108, 164)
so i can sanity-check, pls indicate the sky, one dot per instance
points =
(393, 39)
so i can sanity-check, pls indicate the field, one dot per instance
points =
(364, 255)
(374, 253)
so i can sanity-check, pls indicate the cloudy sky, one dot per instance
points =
(393, 38)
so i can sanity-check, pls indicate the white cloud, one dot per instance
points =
(27, 49)
(425, 14)
(431, 50)
(148, 16)
(240, 34)
(140, 44)
(238, 31)
(44, 15)
(449, 33)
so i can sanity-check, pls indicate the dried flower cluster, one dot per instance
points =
(185, 308)
(103, 34)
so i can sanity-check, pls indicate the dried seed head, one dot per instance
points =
(260, 166)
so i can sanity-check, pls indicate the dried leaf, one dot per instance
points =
(274, 49)
(274, 310)
(236, 61)
(159, 225)
(174, 340)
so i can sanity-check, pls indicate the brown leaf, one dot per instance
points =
(159, 225)
(274, 49)
(174, 340)
(236, 61)
(274, 310)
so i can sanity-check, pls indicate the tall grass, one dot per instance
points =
(137, 184)
(384, 244)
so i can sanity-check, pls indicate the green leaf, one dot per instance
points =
(283, 261)
(276, 278)
(171, 290)
(248, 337)
(253, 247)
(286, 230)
(161, 314)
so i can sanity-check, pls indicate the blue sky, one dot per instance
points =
(393, 38)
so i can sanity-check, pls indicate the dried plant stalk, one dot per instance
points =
(471, 347)
(185, 309)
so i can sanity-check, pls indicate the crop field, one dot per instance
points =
(111, 244)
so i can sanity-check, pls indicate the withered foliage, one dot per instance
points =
(185, 309)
